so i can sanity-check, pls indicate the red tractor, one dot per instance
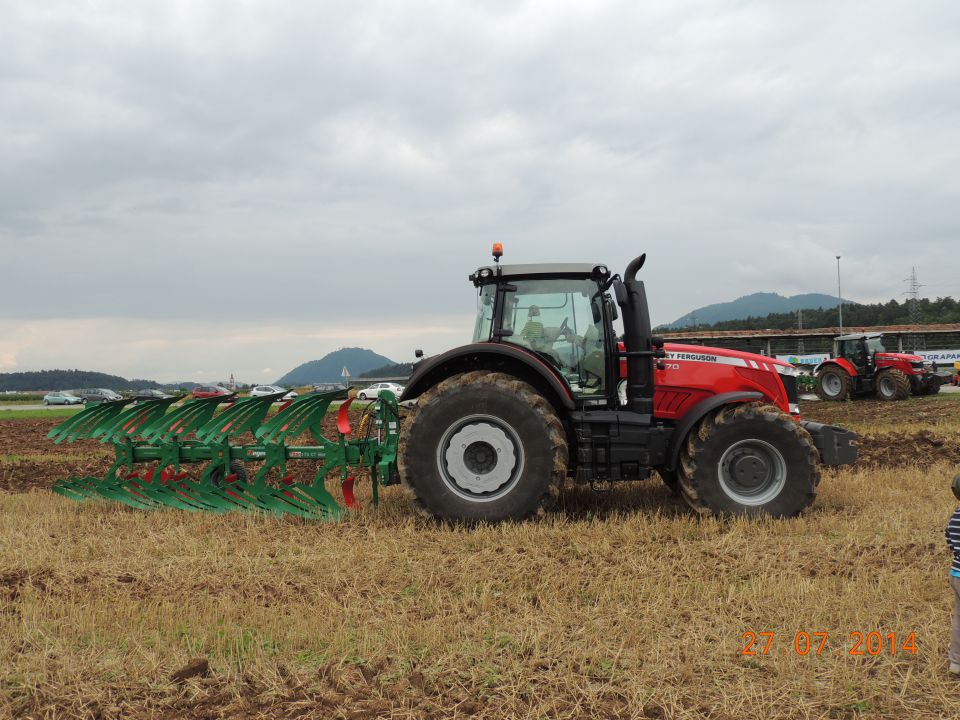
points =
(861, 365)
(546, 393)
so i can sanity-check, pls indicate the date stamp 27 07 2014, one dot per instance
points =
(818, 642)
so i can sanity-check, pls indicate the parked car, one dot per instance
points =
(327, 387)
(150, 394)
(97, 395)
(62, 398)
(369, 393)
(207, 391)
(261, 390)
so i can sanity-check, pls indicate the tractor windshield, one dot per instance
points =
(875, 345)
(559, 319)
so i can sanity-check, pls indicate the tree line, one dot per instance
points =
(926, 312)
(68, 380)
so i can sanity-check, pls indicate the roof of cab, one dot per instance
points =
(490, 273)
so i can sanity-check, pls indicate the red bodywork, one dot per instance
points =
(692, 373)
(900, 361)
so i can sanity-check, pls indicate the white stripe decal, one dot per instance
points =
(704, 357)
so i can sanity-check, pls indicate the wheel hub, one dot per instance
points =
(752, 472)
(479, 456)
(749, 470)
(832, 384)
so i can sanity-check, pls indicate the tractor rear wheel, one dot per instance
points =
(892, 384)
(749, 459)
(833, 383)
(483, 446)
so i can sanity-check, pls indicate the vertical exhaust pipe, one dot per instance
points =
(637, 338)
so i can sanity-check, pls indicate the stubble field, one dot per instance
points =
(621, 604)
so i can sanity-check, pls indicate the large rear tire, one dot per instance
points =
(483, 446)
(751, 460)
(892, 384)
(833, 383)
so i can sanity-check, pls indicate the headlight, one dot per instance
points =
(787, 370)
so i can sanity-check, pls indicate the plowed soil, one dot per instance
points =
(914, 412)
(928, 434)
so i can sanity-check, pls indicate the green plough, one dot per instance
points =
(155, 439)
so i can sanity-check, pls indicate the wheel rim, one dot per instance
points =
(887, 386)
(752, 472)
(832, 385)
(480, 458)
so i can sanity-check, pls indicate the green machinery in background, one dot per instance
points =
(153, 441)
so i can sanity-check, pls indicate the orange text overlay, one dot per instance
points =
(817, 642)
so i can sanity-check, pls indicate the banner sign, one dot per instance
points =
(937, 356)
(814, 359)
(940, 357)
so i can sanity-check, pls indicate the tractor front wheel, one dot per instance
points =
(483, 446)
(932, 387)
(750, 460)
(892, 384)
(833, 383)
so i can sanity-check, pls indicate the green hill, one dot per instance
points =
(752, 306)
(328, 368)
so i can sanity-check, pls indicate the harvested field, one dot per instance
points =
(621, 604)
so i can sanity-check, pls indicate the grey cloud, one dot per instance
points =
(273, 160)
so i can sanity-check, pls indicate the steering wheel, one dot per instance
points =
(565, 329)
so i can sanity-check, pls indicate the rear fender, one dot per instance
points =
(494, 357)
(842, 363)
(696, 414)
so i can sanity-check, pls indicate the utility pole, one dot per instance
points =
(800, 327)
(913, 296)
(839, 295)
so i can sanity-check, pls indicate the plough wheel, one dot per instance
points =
(238, 473)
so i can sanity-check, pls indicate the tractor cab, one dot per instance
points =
(560, 313)
(860, 350)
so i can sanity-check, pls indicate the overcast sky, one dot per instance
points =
(190, 189)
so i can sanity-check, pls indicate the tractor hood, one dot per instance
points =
(900, 356)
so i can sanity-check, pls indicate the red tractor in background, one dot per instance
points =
(861, 365)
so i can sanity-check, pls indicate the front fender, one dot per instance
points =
(697, 413)
(495, 357)
(842, 363)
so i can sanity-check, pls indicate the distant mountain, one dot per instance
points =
(328, 368)
(69, 380)
(755, 305)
